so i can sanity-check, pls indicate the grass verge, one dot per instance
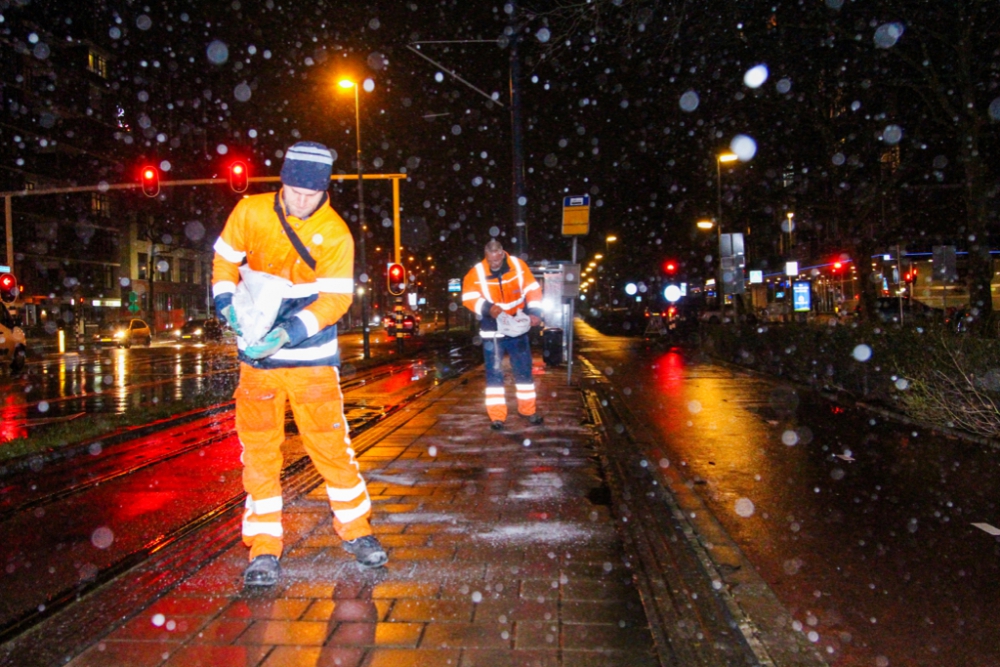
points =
(51, 437)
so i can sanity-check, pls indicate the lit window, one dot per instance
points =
(100, 205)
(97, 64)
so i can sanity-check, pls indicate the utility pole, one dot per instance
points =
(517, 136)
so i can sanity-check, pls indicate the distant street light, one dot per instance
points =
(362, 230)
(611, 238)
(791, 225)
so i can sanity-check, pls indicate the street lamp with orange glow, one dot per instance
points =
(706, 225)
(719, 159)
(362, 229)
(790, 226)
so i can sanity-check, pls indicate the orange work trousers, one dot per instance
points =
(318, 407)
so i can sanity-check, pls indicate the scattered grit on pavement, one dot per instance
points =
(502, 551)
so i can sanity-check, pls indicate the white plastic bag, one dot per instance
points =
(257, 300)
(513, 325)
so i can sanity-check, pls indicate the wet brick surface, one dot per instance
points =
(497, 557)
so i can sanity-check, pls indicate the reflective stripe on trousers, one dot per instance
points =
(518, 349)
(318, 407)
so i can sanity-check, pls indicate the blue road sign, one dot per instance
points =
(801, 297)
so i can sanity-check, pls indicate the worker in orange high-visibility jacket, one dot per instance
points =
(294, 235)
(502, 291)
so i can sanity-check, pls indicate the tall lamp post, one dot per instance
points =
(719, 159)
(362, 229)
(609, 281)
(707, 225)
(791, 225)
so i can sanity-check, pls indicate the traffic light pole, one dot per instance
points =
(9, 231)
(107, 187)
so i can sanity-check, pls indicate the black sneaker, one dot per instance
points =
(262, 571)
(497, 425)
(367, 551)
(534, 419)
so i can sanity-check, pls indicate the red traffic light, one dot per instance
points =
(8, 287)
(670, 266)
(239, 176)
(396, 279)
(150, 181)
(837, 266)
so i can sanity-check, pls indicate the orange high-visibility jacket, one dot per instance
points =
(316, 300)
(513, 289)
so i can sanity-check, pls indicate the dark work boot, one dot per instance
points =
(367, 551)
(262, 571)
(534, 419)
(497, 425)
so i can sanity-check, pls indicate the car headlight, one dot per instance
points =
(177, 332)
(197, 332)
(119, 334)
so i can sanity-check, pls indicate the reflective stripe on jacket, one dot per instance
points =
(515, 289)
(316, 300)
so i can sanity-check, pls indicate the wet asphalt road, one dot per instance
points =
(863, 527)
(88, 380)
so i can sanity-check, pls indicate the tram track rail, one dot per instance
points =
(298, 478)
(105, 456)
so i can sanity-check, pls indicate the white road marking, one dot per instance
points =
(992, 530)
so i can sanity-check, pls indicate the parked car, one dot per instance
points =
(125, 333)
(402, 323)
(13, 350)
(773, 312)
(199, 331)
(717, 316)
(618, 321)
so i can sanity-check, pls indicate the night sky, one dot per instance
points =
(627, 101)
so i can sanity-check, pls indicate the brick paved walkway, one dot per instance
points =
(502, 552)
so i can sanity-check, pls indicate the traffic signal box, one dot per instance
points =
(8, 288)
(150, 177)
(239, 176)
(396, 279)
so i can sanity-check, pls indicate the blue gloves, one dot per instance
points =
(269, 344)
(229, 315)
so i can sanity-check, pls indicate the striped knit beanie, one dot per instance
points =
(307, 165)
